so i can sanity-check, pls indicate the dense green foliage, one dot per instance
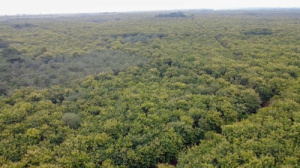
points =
(213, 89)
(43, 72)
(269, 138)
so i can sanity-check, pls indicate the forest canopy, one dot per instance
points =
(212, 89)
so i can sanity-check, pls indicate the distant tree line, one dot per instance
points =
(173, 14)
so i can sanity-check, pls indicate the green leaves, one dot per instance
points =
(213, 90)
(72, 120)
(265, 139)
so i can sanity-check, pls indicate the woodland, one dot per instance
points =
(189, 89)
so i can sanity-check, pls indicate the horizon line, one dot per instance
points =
(147, 11)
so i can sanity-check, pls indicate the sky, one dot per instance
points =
(13, 7)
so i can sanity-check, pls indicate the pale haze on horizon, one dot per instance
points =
(13, 7)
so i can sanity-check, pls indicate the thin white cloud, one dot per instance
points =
(87, 6)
